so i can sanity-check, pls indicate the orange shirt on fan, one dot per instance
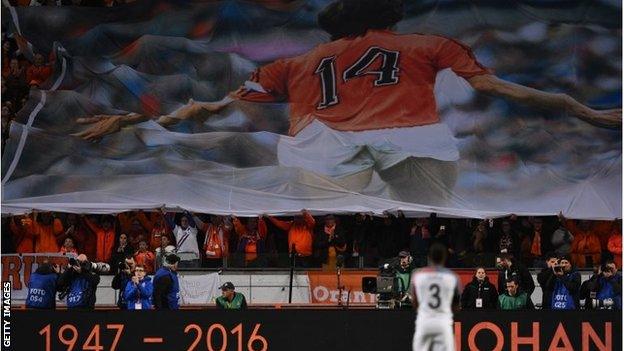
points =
(300, 234)
(46, 235)
(378, 80)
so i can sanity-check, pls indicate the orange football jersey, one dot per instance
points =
(379, 80)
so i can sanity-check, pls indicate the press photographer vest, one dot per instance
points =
(561, 297)
(79, 293)
(41, 291)
(174, 294)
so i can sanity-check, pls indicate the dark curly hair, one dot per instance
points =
(344, 18)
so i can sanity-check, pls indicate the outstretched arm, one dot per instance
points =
(490, 84)
(102, 125)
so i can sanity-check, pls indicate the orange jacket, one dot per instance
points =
(146, 259)
(251, 248)
(615, 247)
(299, 234)
(22, 237)
(105, 241)
(585, 244)
(46, 236)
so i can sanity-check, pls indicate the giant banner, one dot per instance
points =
(370, 123)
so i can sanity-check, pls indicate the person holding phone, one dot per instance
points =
(138, 292)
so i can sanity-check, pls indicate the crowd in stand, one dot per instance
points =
(267, 241)
(21, 71)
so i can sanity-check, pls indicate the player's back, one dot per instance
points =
(379, 80)
(435, 289)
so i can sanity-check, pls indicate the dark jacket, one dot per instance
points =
(483, 290)
(81, 288)
(571, 281)
(542, 278)
(166, 290)
(322, 242)
(523, 275)
(120, 280)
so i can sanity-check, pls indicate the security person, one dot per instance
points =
(166, 285)
(230, 299)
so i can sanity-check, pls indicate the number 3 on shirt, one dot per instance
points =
(386, 75)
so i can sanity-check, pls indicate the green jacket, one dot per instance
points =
(522, 301)
(238, 302)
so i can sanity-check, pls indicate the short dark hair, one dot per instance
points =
(437, 253)
(344, 18)
(550, 255)
(512, 280)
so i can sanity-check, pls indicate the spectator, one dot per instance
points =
(544, 276)
(251, 238)
(216, 242)
(420, 239)
(166, 285)
(105, 237)
(163, 251)
(564, 285)
(22, 236)
(230, 299)
(122, 251)
(159, 230)
(186, 240)
(144, 257)
(507, 241)
(615, 247)
(84, 241)
(125, 271)
(38, 72)
(42, 287)
(15, 82)
(329, 243)
(532, 243)
(510, 268)
(514, 298)
(69, 247)
(359, 239)
(586, 247)
(79, 285)
(139, 290)
(562, 241)
(136, 226)
(479, 293)
(46, 231)
(300, 235)
(392, 234)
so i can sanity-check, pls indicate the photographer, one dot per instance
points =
(120, 280)
(42, 287)
(544, 276)
(79, 282)
(563, 286)
(608, 288)
(479, 293)
(138, 292)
